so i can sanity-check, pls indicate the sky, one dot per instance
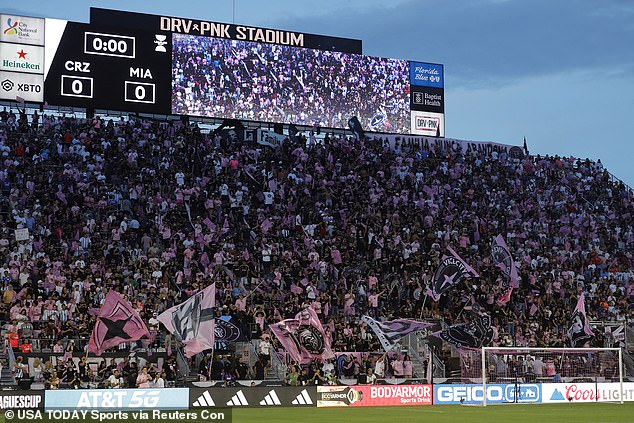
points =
(558, 72)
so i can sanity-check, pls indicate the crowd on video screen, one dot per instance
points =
(274, 83)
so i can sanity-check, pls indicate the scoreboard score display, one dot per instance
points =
(139, 63)
(110, 68)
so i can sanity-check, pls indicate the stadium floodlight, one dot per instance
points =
(526, 367)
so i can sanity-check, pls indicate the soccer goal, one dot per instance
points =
(525, 375)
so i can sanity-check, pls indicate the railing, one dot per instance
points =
(629, 337)
(416, 343)
(278, 368)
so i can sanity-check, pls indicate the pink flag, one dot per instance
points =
(296, 289)
(533, 309)
(192, 322)
(117, 322)
(303, 337)
(506, 297)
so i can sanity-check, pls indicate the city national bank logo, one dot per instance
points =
(26, 30)
(21, 62)
(12, 27)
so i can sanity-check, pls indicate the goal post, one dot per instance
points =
(527, 366)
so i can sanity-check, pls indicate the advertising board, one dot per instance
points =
(496, 393)
(21, 29)
(587, 392)
(21, 400)
(373, 395)
(287, 396)
(124, 399)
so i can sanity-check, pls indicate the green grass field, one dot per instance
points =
(550, 413)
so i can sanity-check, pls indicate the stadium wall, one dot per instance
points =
(312, 396)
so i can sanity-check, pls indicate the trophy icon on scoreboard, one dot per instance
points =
(160, 43)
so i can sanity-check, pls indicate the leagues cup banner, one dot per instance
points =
(373, 395)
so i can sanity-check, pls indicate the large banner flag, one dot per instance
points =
(474, 334)
(390, 332)
(451, 271)
(303, 337)
(192, 322)
(503, 259)
(117, 322)
(579, 332)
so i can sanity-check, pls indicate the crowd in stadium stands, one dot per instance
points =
(212, 77)
(158, 210)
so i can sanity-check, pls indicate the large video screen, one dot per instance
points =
(222, 78)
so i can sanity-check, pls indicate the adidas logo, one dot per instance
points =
(204, 400)
(271, 399)
(238, 400)
(302, 399)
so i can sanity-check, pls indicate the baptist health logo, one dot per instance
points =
(12, 27)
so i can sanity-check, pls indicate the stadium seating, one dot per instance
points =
(157, 210)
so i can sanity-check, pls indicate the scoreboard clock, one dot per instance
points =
(106, 68)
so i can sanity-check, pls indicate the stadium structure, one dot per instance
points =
(205, 215)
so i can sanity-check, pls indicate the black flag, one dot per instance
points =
(474, 334)
(355, 127)
(292, 132)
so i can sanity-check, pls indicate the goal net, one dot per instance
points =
(525, 375)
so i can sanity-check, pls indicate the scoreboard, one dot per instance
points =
(110, 68)
(173, 66)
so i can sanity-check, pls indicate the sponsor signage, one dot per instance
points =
(205, 28)
(427, 123)
(426, 74)
(373, 395)
(21, 58)
(109, 399)
(21, 400)
(496, 393)
(427, 99)
(587, 392)
(21, 29)
(287, 396)
(25, 85)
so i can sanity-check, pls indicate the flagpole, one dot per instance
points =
(211, 360)
(423, 307)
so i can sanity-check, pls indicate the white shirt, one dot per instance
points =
(115, 382)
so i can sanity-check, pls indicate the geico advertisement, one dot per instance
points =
(496, 393)
(373, 395)
(107, 399)
(587, 392)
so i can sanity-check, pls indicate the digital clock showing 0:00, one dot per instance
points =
(109, 45)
